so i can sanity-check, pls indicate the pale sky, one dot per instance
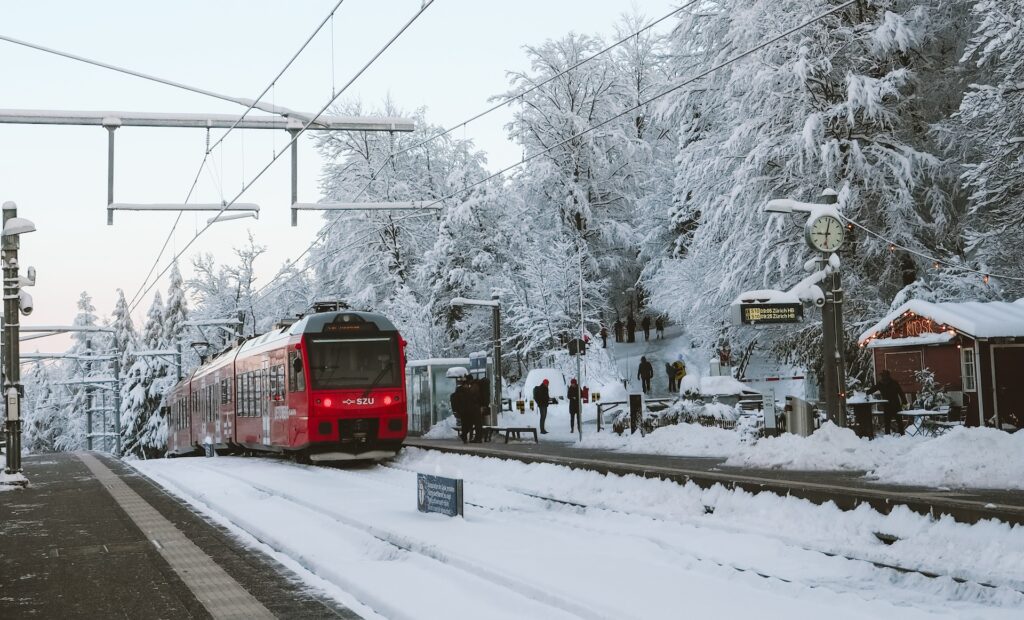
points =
(451, 61)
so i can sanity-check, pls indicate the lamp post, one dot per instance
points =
(492, 303)
(15, 301)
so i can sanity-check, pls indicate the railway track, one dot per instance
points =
(442, 561)
(852, 556)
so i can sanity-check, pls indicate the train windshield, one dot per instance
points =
(353, 363)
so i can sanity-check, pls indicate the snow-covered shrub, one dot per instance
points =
(932, 394)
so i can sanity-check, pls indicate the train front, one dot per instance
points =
(356, 386)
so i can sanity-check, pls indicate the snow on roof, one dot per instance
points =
(922, 339)
(991, 319)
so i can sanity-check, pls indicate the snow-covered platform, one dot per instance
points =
(847, 489)
(91, 538)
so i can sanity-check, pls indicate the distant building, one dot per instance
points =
(975, 349)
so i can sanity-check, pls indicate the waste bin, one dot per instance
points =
(799, 416)
(636, 409)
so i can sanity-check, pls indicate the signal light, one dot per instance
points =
(387, 400)
(327, 402)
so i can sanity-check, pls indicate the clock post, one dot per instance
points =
(824, 233)
(832, 349)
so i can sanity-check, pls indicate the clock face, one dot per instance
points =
(825, 233)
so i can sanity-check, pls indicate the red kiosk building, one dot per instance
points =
(975, 349)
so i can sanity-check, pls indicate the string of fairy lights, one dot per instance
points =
(934, 260)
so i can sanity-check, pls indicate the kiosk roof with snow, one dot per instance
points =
(932, 323)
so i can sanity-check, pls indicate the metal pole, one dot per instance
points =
(110, 172)
(579, 351)
(177, 347)
(117, 406)
(496, 380)
(295, 175)
(88, 399)
(12, 383)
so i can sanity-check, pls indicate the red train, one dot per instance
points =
(329, 387)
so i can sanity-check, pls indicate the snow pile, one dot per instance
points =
(673, 440)
(829, 448)
(963, 457)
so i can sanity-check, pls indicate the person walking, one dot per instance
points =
(894, 398)
(671, 372)
(630, 328)
(542, 397)
(646, 324)
(618, 329)
(573, 394)
(604, 337)
(680, 369)
(645, 373)
(659, 327)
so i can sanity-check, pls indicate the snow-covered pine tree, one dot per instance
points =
(41, 408)
(141, 389)
(73, 417)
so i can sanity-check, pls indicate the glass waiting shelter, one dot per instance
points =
(429, 391)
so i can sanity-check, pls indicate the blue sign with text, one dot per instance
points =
(439, 494)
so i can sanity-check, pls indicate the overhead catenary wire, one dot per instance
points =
(298, 133)
(508, 100)
(592, 128)
(209, 148)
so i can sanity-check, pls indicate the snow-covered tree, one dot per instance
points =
(845, 102)
(986, 136)
(143, 389)
(72, 420)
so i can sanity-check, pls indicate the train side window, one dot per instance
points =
(296, 376)
(248, 394)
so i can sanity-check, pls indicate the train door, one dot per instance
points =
(298, 419)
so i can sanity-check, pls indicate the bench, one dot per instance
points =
(487, 431)
(516, 432)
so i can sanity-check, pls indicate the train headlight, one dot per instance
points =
(387, 400)
(327, 402)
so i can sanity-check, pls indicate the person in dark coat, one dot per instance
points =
(645, 373)
(542, 397)
(460, 404)
(646, 324)
(574, 406)
(671, 372)
(894, 398)
(604, 337)
(630, 328)
(618, 329)
(659, 327)
(472, 418)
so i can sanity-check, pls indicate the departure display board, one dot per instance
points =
(760, 314)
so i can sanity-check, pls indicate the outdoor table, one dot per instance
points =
(918, 416)
(863, 411)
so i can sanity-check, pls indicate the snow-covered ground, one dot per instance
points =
(963, 457)
(625, 547)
